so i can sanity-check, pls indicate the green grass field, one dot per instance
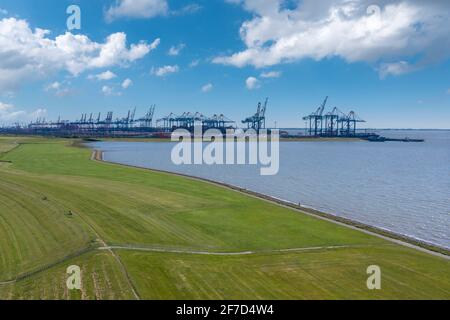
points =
(58, 208)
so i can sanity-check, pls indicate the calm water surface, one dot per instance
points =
(402, 187)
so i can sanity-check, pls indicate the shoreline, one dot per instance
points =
(282, 139)
(388, 235)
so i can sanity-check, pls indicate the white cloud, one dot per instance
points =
(207, 87)
(58, 89)
(109, 91)
(155, 44)
(9, 114)
(175, 50)
(104, 76)
(127, 83)
(106, 90)
(271, 74)
(395, 69)
(252, 83)
(187, 9)
(194, 63)
(137, 9)
(53, 86)
(282, 31)
(63, 92)
(27, 54)
(146, 9)
(165, 70)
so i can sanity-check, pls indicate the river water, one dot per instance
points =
(401, 187)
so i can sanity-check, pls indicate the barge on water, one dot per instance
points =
(377, 138)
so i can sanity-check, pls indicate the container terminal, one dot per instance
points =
(319, 124)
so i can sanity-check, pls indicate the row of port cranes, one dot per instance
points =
(318, 124)
(189, 120)
(332, 124)
(96, 123)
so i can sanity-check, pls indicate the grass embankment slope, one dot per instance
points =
(57, 208)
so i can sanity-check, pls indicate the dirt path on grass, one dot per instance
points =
(121, 265)
(241, 253)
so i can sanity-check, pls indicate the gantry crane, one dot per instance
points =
(258, 120)
(316, 119)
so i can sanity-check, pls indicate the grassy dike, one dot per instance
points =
(150, 235)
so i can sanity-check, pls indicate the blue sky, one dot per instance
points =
(397, 75)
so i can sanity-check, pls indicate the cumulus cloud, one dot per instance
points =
(27, 54)
(271, 74)
(58, 89)
(187, 9)
(194, 63)
(165, 70)
(252, 83)
(109, 91)
(207, 87)
(175, 50)
(106, 90)
(395, 69)
(284, 31)
(10, 114)
(127, 83)
(137, 9)
(104, 76)
(146, 9)
(154, 44)
(53, 86)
